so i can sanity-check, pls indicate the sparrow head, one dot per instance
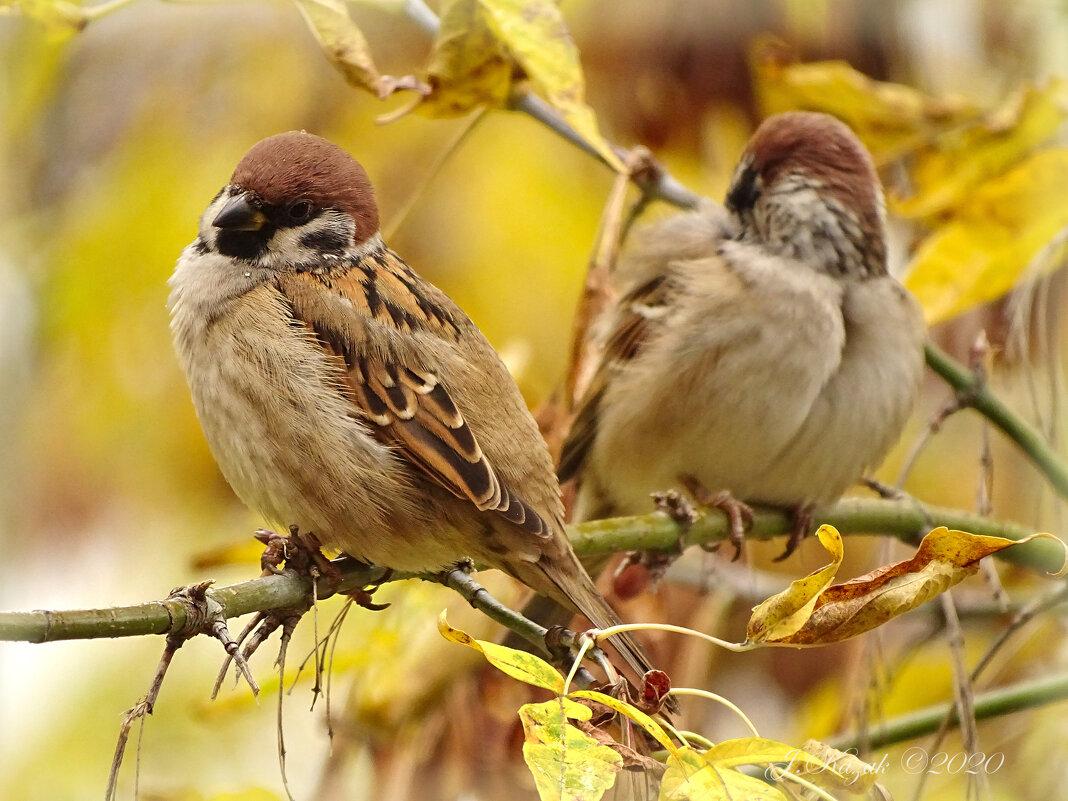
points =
(806, 187)
(294, 201)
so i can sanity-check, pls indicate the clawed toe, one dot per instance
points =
(364, 596)
(739, 514)
(802, 520)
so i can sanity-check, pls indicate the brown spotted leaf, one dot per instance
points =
(567, 764)
(482, 46)
(810, 613)
(345, 46)
(468, 65)
(535, 34)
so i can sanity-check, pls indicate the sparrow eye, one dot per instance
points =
(299, 211)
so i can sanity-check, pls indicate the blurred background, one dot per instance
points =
(113, 140)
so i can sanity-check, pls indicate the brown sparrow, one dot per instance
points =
(343, 393)
(762, 349)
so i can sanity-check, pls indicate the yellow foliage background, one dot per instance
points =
(114, 139)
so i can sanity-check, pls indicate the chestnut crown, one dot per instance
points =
(298, 167)
(795, 157)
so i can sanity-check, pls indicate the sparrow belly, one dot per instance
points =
(288, 442)
(789, 412)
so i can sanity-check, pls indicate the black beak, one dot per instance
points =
(240, 214)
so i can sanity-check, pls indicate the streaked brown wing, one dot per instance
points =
(624, 343)
(410, 408)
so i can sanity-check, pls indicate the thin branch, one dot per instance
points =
(976, 394)
(657, 183)
(993, 703)
(906, 520)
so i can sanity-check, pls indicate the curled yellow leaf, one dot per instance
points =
(840, 611)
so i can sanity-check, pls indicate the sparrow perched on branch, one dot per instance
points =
(342, 392)
(762, 349)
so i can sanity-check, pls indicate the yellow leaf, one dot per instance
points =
(960, 161)
(655, 730)
(517, 664)
(347, 49)
(566, 763)
(841, 611)
(468, 66)
(59, 18)
(831, 768)
(535, 34)
(1006, 226)
(783, 614)
(891, 119)
(692, 776)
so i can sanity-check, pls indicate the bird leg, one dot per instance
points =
(802, 523)
(739, 514)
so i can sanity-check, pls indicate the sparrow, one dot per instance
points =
(760, 348)
(341, 392)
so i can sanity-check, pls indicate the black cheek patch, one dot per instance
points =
(325, 241)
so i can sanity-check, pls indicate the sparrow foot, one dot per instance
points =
(642, 570)
(364, 596)
(739, 514)
(802, 520)
(301, 552)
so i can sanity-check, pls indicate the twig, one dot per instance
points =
(978, 396)
(479, 597)
(993, 703)
(656, 183)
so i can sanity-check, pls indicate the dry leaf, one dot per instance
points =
(811, 613)
(535, 33)
(347, 49)
(480, 44)
(468, 67)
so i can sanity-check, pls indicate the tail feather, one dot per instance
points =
(565, 583)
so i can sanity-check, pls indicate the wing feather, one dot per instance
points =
(408, 404)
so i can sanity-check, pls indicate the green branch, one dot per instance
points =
(975, 393)
(990, 704)
(905, 520)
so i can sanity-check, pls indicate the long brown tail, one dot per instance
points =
(565, 581)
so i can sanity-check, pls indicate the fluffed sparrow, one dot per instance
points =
(762, 349)
(343, 393)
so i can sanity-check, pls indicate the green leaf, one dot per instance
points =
(566, 763)
(693, 776)
(517, 664)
